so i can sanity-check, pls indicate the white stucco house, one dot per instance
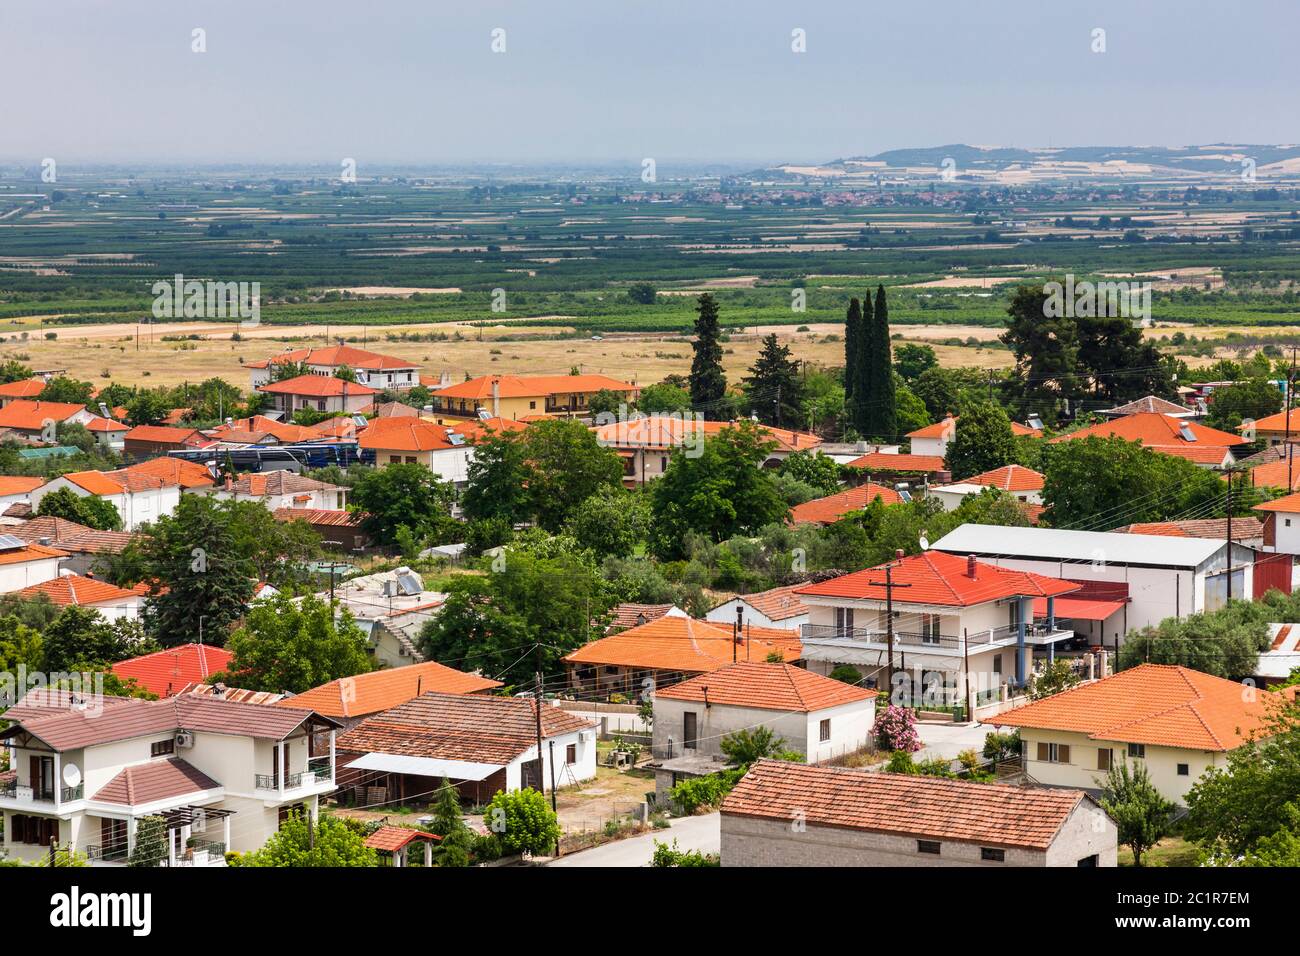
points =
(220, 772)
(139, 498)
(24, 565)
(778, 607)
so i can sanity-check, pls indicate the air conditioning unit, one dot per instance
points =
(184, 740)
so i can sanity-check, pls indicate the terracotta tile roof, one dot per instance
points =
(25, 388)
(261, 425)
(33, 552)
(776, 604)
(631, 615)
(44, 702)
(406, 434)
(685, 644)
(469, 727)
(175, 416)
(392, 839)
(321, 516)
(475, 430)
(1288, 503)
(1156, 704)
(1010, 478)
(18, 484)
(1148, 403)
(1273, 474)
(170, 670)
(316, 385)
(384, 689)
(163, 434)
(663, 431)
(1213, 455)
(1242, 528)
(70, 536)
(341, 426)
(157, 780)
(882, 461)
(530, 386)
(1151, 428)
(1270, 423)
(390, 410)
(941, 579)
(832, 508)
(100, 424)
(930, 808)
(73, 589)
(262, 483)
(95, 482)
(336, 355)
(238, 694)
(782, 687)
(74, 729)
(135, 481)
(174, 471)
(32, 416)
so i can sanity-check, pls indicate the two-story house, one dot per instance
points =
(956, 620)
(138, 497)
(222, 774)
(372, 369)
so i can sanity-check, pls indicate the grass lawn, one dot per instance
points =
(1171, 851)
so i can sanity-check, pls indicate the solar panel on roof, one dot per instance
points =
(10, 543)
(1185, 430)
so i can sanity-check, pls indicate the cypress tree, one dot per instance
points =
(864, 374)
(852, 330)
(775, 387)
(884, 400)
(708, 381)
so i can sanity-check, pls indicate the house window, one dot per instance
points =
(929, 628)
(38, 831)
(1288, 522)
(1088, 861)
(571, 753)
(690, 733)
(1184, 770)
(320, 405)
(394, 459)
(928, 846)
(1103, 759)
(997, 666)
(843, 620)
(161, 748)
(825, 730)
(411, 460)
(1138, 751)
(1054, 753)
(993, 856)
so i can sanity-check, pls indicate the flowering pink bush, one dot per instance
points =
(896, 730)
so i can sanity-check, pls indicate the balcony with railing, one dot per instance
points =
(932, 642)
(106, 853)
(318, 772)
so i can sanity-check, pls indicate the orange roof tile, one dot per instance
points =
(100, 424)
(941, 579)
(883, 461)
(1242, 528)
(832, 508)
(663, 431)
(782, 687)
(384, 689)
(163, 434)
(945, 429)
(171, 670)
(32, 416)
(1156, 704)
(316, 385)
(18, 484)
(405, 434)
(174, 471)
(336, 355)
(1010, 478)
(25, 388)
(1274, 474)
(777, 604)
(94, 482)
(528, 386)
(988, 814)
(673, 643)
(1288, 503)
(70, 589)
(392, 839)
(1271, 423)
(33, 552)
(157, 780)
(1152, 428)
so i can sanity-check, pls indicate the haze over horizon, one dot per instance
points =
(399, 83)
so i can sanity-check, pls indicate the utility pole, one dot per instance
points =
(735, 636)
(1229, 531)
(776, 407)
(889, 585)
(1286, 410)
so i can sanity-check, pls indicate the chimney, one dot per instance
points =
(230, 483)
(898, 553)
(496, 398)
(970, 566)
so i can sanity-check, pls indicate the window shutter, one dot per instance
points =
(1063, 753)
(1044, 753)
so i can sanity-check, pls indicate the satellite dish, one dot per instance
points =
(925, 542)
(71, 774)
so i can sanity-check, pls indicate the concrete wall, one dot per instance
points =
(851, 726)
(725, 614)
(747, 841)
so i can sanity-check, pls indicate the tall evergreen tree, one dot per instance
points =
(884, 412)
(852, 331)
(862, 383)
(708, 381)
(774, 386)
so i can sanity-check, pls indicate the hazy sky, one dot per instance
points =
(416, 81)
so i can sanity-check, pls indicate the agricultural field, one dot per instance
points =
(535, 273)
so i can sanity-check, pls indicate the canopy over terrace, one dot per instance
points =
(395, 842)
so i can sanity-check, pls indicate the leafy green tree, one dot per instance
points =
(14, 371)
(911, 411)
(1056, 676)
(642, 293)
(939, 389)
(1225, 642)
(150, 842)
(982, 441)
(20, 647)
(774, 388)
(65, 389)
(859, 402)
(663, 397)
(1118, 362)
(670, 856)
(1142, 816)
(407, 495)
(1233, 404)
(846, 673)
(336, 842)
(1088, 479)
(498, 476)
(607, 402)
(708, 380)
(80, 637)
(911, 360)
(84, 509)
(1046, 352)
(522, 822)
(1281, 848)
(722, 492)
(744, 747)
(567, 465)
(611, 522)
(820, 471)
(293, 645)
(147, 408)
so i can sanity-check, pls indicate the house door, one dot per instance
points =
(690, 732)
(112, 838)
(530, 772)
(41, 770)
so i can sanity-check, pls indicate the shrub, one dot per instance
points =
(666, 855)
(896, 729)
(522, 822)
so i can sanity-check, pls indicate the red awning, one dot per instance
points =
(1079, 609)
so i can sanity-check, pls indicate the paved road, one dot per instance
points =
(691, 833)
(948, 740)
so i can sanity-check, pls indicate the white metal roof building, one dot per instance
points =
(1160, 576)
